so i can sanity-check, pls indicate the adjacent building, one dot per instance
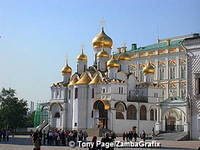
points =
(145, 87)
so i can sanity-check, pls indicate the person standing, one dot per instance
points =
(1, 133)
(135, 136)
(143, 135)
(153, 133)
(85, 135)
(36, 141)
(94, 141)
(44, 138)
(7, 135)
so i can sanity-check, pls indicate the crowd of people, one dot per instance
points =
(4, 135)
(64, 137)
(129, 136)
(57, 137)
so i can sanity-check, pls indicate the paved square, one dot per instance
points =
(24, 143)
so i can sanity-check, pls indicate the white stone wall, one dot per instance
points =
(121, 126)
(81, 66)
(124, 66)
(102, 64)
(112, 73)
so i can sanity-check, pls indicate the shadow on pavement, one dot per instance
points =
(28, 141)
(18, 141)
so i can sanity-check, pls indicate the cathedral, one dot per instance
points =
(143, 88)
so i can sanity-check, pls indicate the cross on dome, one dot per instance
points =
(102, 23)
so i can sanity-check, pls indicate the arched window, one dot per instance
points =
(119, 111)
(57, 115)
(143, 113)
(156, 114)
(151, 114)
(131, 112)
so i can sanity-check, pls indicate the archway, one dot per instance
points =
(173, 120)
(143, 113)
(131, 112)
(101, 108)
(170, 123)
(56, 115)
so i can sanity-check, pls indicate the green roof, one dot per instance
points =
(174, 99)
(156, 46)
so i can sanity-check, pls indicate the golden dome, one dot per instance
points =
(97, 79)
(82, 56)
(73, 81)
(66, 69)
(102, 40)
(113, 62)
(103, 54)
(124, 56)
(84, 80)
(148, 69)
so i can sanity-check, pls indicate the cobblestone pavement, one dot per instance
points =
(24, 143)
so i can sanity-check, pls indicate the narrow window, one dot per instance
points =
(69, 94)
(92, 92)
(151, 114)
(76, 92)
(199, 86)
(103, 90)
(84, 67)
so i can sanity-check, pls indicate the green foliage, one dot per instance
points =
(30, 120)
(13, 111)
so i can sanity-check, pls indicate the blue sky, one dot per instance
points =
(36, 35)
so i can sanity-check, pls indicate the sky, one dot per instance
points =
(36, 35)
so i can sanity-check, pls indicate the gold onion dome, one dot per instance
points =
(112, 63)
(82, 56)
(102, 40)
(84, 80)
(103, 54)
(124, 56)
(73, 81)
(148, 69)
(66, 69)
(97, 79)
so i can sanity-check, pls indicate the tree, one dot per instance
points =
(30, 119)
(13, 110)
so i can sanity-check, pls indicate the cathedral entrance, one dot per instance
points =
(173, 120)
(170, 123)
(101, 114)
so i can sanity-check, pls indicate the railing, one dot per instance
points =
(143, 99)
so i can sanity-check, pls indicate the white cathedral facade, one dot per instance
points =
(144, 88)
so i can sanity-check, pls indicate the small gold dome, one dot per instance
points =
(97, 79)
(73, 81)
(82, 56)
(66, 69)
(84, 80)
(124, 56)
(102, 40)
(148, 69)
(112, 63)
(103, 54)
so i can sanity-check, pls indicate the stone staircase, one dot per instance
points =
(97, 131)
(172, 136)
